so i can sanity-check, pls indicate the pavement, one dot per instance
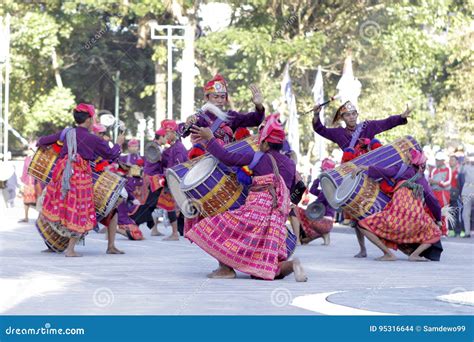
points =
(155, 277)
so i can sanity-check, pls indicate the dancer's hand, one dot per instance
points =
(406, 113)
(191, 120)
(204, 132)
(121, 139)
(257, 97)
(317, 109)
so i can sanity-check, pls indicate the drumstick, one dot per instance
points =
(332, 98)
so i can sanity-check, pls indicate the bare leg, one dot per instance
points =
(174, 235)
(25, 220)
(295, 224)
(111, 231)
(387, 254)
(415, 256)
(288, 267)
(360, 238)
(70, 248)
(327, 239)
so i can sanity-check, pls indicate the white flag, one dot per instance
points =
(348, 86)
(292, 123)
(318, 96)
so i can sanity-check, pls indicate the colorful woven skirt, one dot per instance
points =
(403, 221)
(76, 210)
(314, 228)
(166, 200)
(251, 238)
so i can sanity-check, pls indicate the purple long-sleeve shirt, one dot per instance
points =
(89, 146)
(342, 136)
(321, 198)
(235, 120)
(389, 174)
(174, 155)
(286, 166)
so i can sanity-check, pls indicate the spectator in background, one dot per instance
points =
(455, 198)
(466, 173)
(440, 181)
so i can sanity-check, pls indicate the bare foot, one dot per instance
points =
(114, 250)
(47, 250)
(172, 237)
(72, 255)
(361, 254)
(25, 220)
(222, 273)
(417, 258)
(298, 242)
(300, 275)
(387, 257)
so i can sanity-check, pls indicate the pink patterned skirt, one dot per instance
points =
(314, 228)
(251, 238)
(76, 211)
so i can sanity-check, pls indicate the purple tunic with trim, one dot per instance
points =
(321, 198)
(342, 136)
(89, 146)
(286, 166)
(235, 120)
(174, 155)
(388, 174)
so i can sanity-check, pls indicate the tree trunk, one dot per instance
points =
(57, 75)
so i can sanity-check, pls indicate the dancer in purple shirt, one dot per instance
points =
(69, 197)
(252, 238)
(356, 139)
(404, 220)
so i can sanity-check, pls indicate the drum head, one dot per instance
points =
(173, 181)
(315, 211)
(198, 173)
(329, 189)
(347, 187)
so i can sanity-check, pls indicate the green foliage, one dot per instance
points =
(50, 112)
(403, 52)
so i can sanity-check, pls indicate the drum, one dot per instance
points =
(49, 232)
(360, 196)
(385, 156)
(209, 187)
(42, 164)
(176, 174)
(108, 187)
